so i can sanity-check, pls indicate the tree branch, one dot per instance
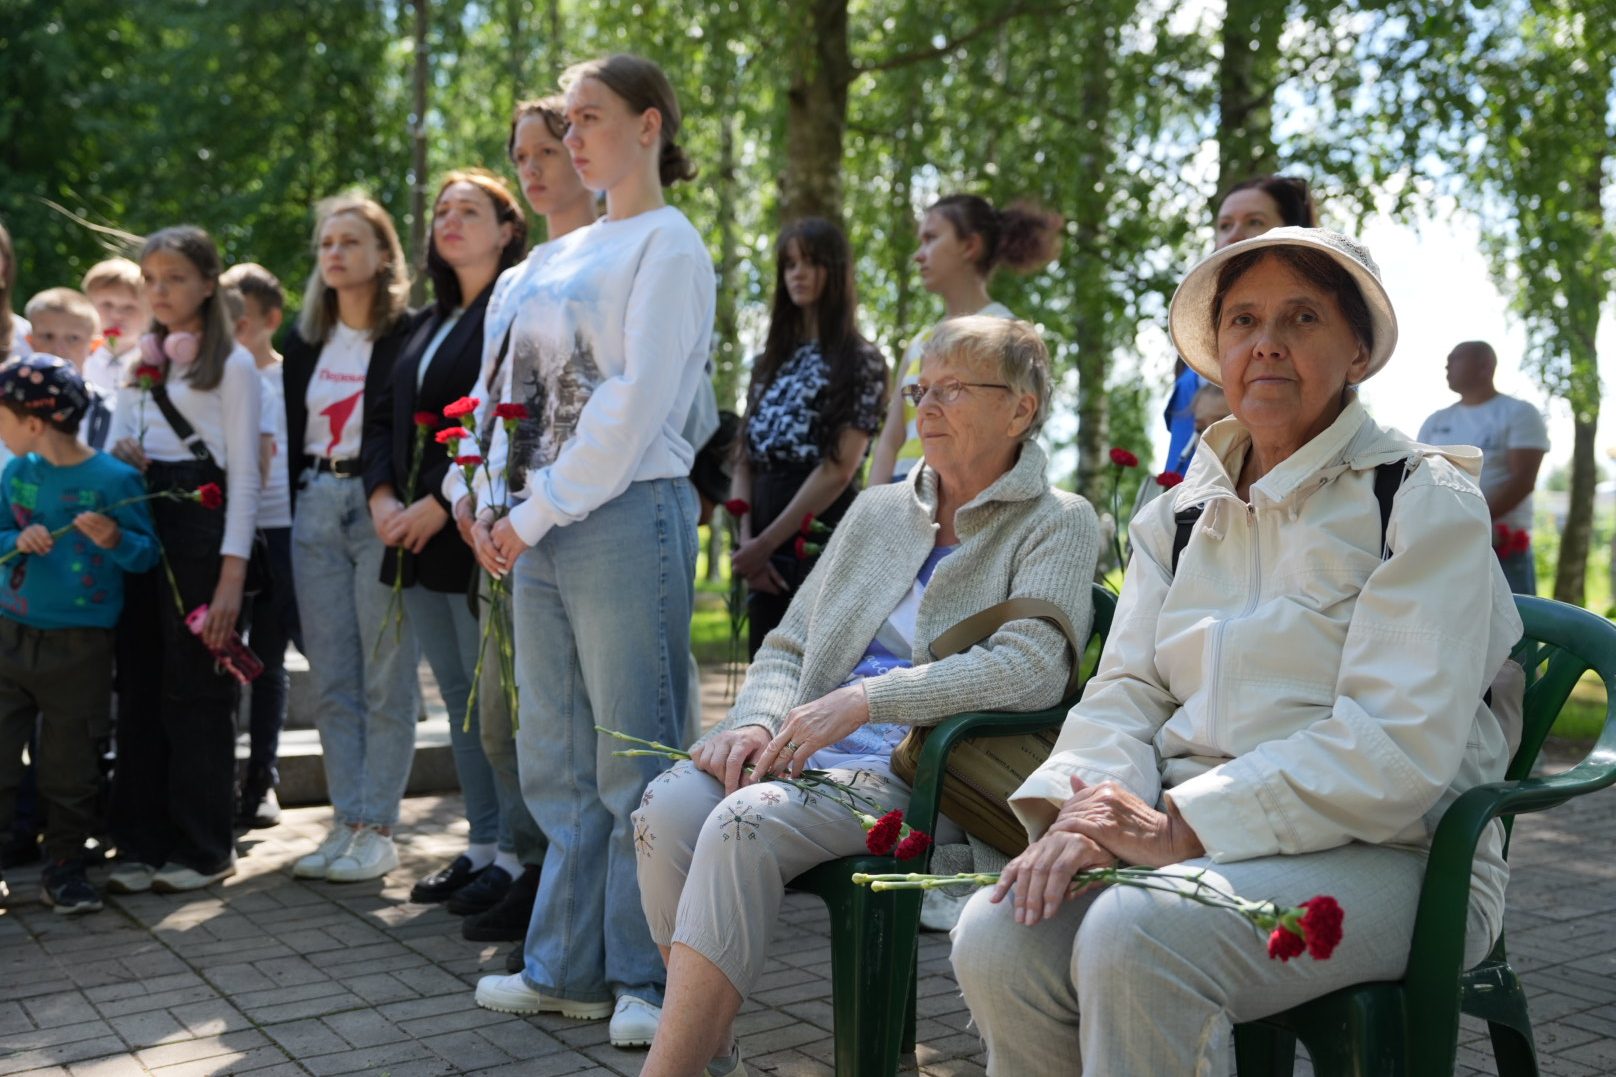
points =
(987, 26)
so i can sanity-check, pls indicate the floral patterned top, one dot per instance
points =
(783, 428)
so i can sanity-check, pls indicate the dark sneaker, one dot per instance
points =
(507, 921)
(441, 885)
(258, 808)
(67, 890)
(482, 893)
(515, 959)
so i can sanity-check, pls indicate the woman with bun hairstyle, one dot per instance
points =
(963, 241)
(339, 359)
(816, 398)
(174, 786)
(608, 346)
(1249, 208)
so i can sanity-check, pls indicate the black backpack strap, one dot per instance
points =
(1184, 521)
(180, 424)
(1388, 479)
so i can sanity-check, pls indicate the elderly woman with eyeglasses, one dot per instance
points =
(1290, 698)
(848, 673)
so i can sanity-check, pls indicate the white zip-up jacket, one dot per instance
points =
(1288, 688)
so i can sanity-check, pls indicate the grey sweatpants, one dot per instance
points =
(713, 869)
(1138, 981)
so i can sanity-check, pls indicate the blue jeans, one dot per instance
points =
(367, 696)
(274, 621)
(518, 833)
(1520, 569)
(448, 634)
(602, 623)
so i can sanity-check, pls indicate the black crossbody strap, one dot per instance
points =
(181, 425)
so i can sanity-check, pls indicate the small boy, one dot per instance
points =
(66, 324)
(274, 612)
(65, 544)
(114, 287)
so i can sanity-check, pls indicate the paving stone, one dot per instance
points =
(308, 1036)
(229, 1043)
(364, 1028)
(67, 1008)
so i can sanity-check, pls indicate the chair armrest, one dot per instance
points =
(926, 798)
(1439, 922)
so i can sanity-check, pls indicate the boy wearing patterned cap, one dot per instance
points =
(64, 549)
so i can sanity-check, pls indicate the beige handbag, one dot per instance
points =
(982, 772)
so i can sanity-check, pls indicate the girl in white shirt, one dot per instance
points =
(363, 664)
(607, 349)
(173, 787)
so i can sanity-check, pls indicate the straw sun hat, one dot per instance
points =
(1190, 316)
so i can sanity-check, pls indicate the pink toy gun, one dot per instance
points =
(234, 657)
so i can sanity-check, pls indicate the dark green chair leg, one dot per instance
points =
(908, 1046)
(1493, 993)
(1263, 1051)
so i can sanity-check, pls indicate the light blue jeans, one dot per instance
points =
(367, 695)
(1520, 569)
(602, 636)
(449, 638)
(526, 840)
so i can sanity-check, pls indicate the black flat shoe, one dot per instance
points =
(491, 885)
(507, 921)
(442, 885)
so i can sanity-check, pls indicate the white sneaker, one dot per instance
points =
(371, 856)
(315, 864)
(177, 878)
(131, 877)
(735, 1067)
(634, 1022)
(511, 994)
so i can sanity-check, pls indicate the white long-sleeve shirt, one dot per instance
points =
(608, 344)
(227, 418)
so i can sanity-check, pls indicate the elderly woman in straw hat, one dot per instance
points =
(1290, 698)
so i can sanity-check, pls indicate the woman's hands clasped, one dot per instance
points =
(1098, 826)
(726, 755)
(812, 726)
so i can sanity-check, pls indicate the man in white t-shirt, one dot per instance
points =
(1512, 437)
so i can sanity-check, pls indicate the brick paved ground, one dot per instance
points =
(270, 975)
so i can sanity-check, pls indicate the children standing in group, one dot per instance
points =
(274, 615)
(65, 324)
(188, 416)
(60, 597)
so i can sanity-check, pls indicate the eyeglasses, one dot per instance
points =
(946, 391)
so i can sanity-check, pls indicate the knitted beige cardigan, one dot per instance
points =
(1018, 538)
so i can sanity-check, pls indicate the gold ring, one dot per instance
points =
(793, 745)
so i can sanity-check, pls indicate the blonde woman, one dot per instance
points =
(338, 361)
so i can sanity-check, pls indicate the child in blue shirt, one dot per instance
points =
(60, 596)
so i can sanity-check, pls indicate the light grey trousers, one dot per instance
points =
(1137, 981)
(713, 869)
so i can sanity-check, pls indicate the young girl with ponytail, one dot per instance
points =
(608, 347)
(963, 241)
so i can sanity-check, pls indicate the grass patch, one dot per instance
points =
(1583, 716)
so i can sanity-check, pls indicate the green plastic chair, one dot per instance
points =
(875, 936)
(1412, 1026)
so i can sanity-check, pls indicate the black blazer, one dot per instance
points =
(298, 359)
(445, 563)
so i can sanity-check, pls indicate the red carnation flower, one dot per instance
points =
(1169, 479)
(805, 549)
(464, 406)
(884, 834)
(916, 843)
(1285, 944)
(426, 420)
(1123, 458)
(469, 461)
(111, 335)
(1501, 535)
(807, 525)
(148, 376)
(1520, 542)
(450, 435)
(736, 507)
(210, 496)
(1321, 926)
(511, 412)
